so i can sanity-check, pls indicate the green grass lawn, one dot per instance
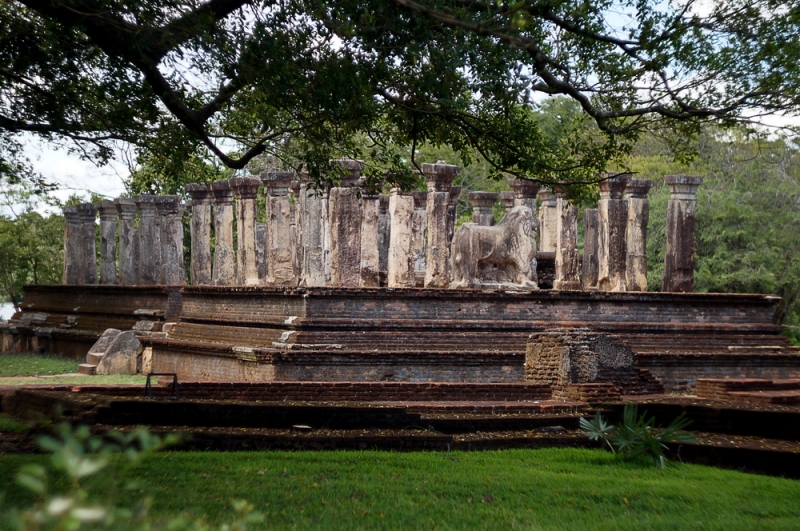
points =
(512, 489)
(35, 365)
(27, 365)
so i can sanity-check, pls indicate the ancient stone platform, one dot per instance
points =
(323, 334)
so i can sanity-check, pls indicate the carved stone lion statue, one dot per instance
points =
(500, 256)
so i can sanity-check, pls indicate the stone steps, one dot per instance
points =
(87, 368)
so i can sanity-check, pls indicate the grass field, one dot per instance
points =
(512, 489)
(46, 367)
(35, 365)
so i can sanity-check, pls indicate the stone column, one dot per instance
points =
(172, 240)
(295, 227)
(613, 216)
(370, 246)
(88, 213)
(108, 242)
(679, 252)
(200, 232)
(146, 274)
(567, 277)
(261, 252)
(419, 225)
(128, 241)
(158, 251)
(482, 204)
(314, 216)
(636, 234)
(524, 193)
(508, 201)
(280, 267)
(548, 221)
(452, 213)
(245, 189)
(591, 235)
(401, 254)
(344, 226)
(384, 233)
(439, 178)
(224, 270)
(73, 246)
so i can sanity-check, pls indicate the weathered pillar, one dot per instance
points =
(401, 254)
(613, 217)
(567, 275)
(200, 232)
(172, 239)
(419, 225)
(146, 274)
(280, 266)
(108, 242)
(452, 212)
(73, 246)
(482, 204)
(245, 189)
(679, 252)
(295, 228)
(508, 199)
(524, 193)
(344, 226)
(636, 234)
(158, 251)
(224, 270)
(439, 178)
(128, 241)
(548, 221)
(88, 213)
(261, 252)
(384, 235)
(591, 235)
(370, 246)
(314, 215)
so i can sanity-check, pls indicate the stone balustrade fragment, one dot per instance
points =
(73, 246)
(591, 236)
(245, 189)
(200, 233)
(548, 221)
(108, 242)
(636, 234)
(401, 254)
(280, 259)
(128, 241)
(613, 217)
(224, 268)
(439, 179)
(482, 207)
(679, 251)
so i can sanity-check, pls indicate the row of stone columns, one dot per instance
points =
(615, 236)
(150, 253)
(343, 238)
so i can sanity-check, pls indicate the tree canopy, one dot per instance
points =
(311, 80)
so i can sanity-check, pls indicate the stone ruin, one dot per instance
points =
(328, 289)
(346, 238)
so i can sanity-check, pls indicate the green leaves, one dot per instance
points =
(637, 434)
